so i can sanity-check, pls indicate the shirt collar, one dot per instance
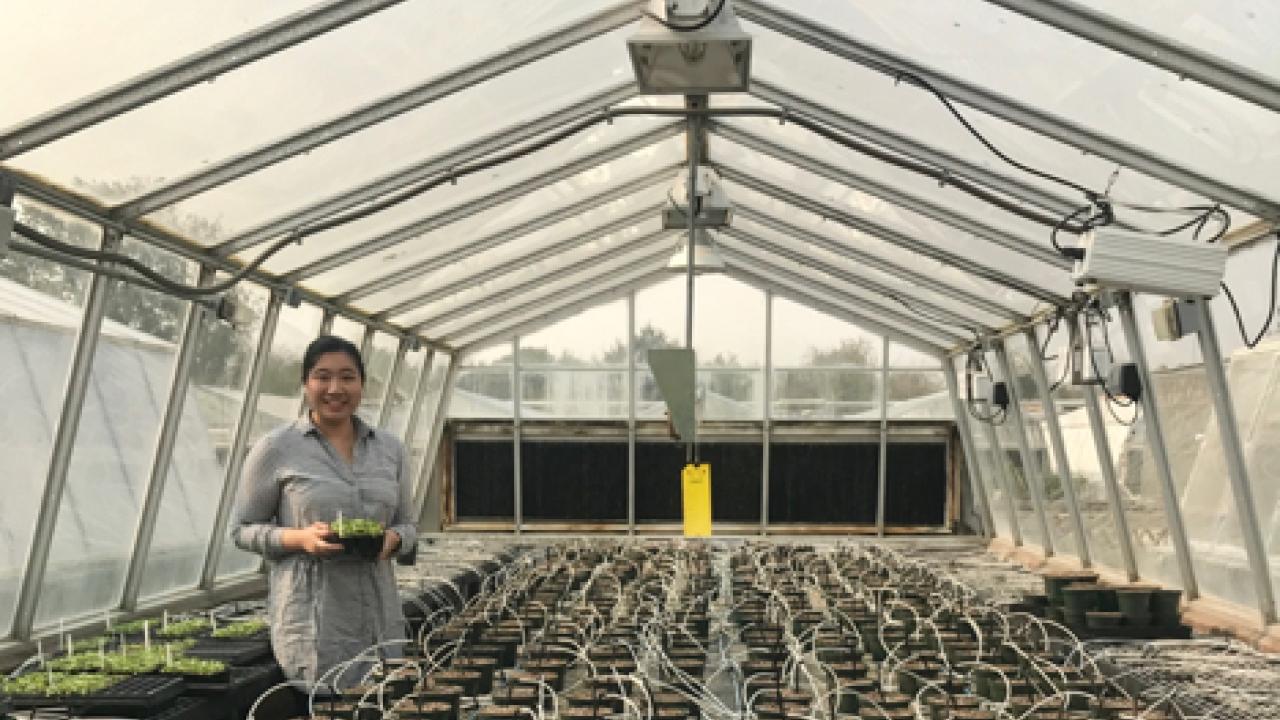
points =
(306, 427)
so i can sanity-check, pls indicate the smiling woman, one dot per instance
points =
(301, 482)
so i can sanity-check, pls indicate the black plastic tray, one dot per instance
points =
(188, 708)
(232, 652)
(135, 696)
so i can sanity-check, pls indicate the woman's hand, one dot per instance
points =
(311, 539)
(390, 543)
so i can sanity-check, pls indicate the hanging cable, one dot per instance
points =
(688, 28)
(1271, 308)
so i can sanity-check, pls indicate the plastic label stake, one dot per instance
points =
(695, 492)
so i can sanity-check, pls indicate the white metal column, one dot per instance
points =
(1155, 439)
(64, 439)
(239, 444)
(1102, 446)
(631, 413)
(389, 392)
(972, 467)
(516, 479)
(1030, 469)
(882, 470)
(766, 427)
(1237, 469)
(433, 440)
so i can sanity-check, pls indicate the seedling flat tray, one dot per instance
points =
(231, 652)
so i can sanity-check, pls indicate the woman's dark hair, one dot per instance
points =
(327, 344)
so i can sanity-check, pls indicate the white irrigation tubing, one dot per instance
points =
(341, 668)
(254, 707)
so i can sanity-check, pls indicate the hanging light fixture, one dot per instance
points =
(714, 208)
(706, 257)
(690, 47)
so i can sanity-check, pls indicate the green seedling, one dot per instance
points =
(56, 684)
(185, 628)
(242, 629)
(357, 527)
(194, 666)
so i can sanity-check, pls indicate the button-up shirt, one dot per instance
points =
(325, 610)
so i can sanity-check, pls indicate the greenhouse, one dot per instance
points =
(711, 349)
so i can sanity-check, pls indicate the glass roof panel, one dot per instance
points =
(54, 77)
(886, 213)
(309, 83)
(926, 266)
(531, 205)
(1242, 31)
(635, 237)
(908, 298)
(511, 250)
(864, 93)
(504, 102)
(1104, 90)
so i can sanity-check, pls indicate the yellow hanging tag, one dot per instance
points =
(695, 489)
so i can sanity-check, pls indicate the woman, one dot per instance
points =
(326, 608)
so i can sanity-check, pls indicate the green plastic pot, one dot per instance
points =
(1166, 606)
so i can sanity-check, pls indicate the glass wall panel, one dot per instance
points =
(1047, 473)
(115, 444)
(348, 330)
(377, 370)
(402, 395)
(40, 311)
(418, 444)
(1010, 454)
(823, 368)
(482, 386)
(280, 396)
(728, 339)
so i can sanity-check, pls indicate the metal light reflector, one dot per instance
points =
(706, 257)
(711, 59)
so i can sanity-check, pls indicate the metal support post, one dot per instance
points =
(1103, 447)
(631, 413)
(64, 439)
(1002, 474)
(972, 464)
(239, 444)
(693, 151)
(1059, 446)
(389, 392)
(366, 343)
(419, 398)
(326, 323)
(161, 458)
(882, 471)
(767, 424)
(1237, 469)
(1030, 468)
(433, 440)
(516, 478)
(1159, 452)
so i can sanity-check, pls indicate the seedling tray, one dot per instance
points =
(137, 696)
(231, 652)
(188, 708)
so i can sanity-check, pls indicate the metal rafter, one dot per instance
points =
(87, 209)
(963, 297)
(1181, 59)
(934, 314)
(1016, 186)
(807, 282)
(469, 75)
(531, 322)
(190, 70)
(1006, 108)
(474, 246)
(888, 234)
(489, 144)
(786, 277)
(631, 268)
(509, 192)
(973, 471)
(1034, 249)
(763, 280)
(524, 287)
(515, 264)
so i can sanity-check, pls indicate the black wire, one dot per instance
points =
(689, 28)
(936, 318)
(1112, 400)
(160, 282)
(1271, 311)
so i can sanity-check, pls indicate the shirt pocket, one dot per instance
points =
(311, 497)
(379, 490)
